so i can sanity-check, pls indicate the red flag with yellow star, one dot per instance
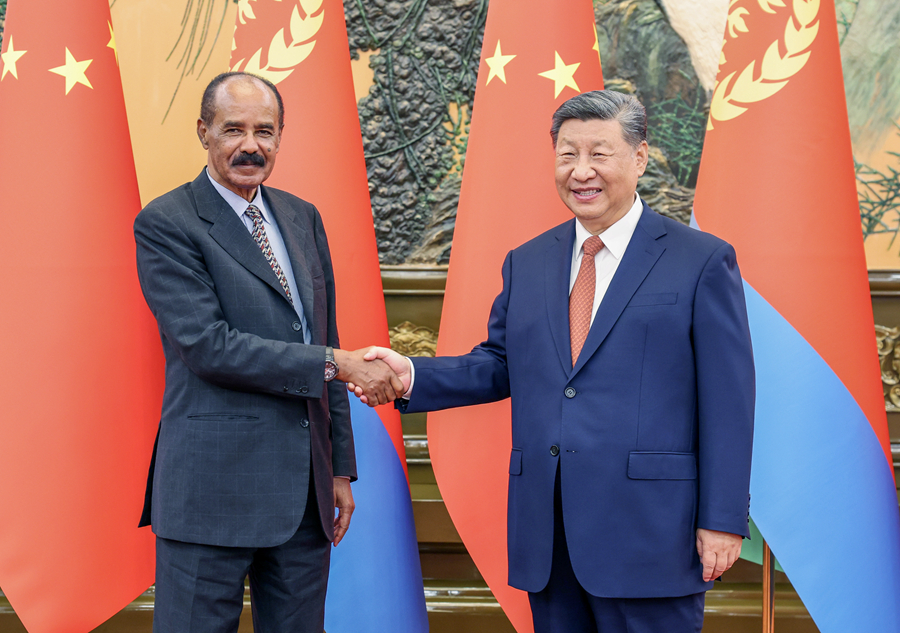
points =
(536, 54)
(81, 367)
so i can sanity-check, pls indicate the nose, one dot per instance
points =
(583, 169)
(249, 144)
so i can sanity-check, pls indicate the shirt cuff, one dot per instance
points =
(412, 378)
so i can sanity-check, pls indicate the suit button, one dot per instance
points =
(304, 389)
(570, 392)
(285, 389)
(296, 326)
(554, 450)
(304, 423)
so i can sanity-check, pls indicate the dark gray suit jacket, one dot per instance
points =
(247, 417)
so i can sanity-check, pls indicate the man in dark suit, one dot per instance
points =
(255, 448)
(622, 339)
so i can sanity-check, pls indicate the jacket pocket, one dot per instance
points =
(515, 462)
(237, 417)
(653, 299)
(659, 465)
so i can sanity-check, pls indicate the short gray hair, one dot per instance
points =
(604, 105)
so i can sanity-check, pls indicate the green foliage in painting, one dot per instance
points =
(845, 11)
(678, 129)
(879, 198)
(2, 19)
(201, 26)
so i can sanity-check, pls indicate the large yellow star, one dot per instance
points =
(112, 42)
(562, 75)
(73, 71)
(10, 57)
(497, 64)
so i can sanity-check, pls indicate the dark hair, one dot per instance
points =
(208, 103)
(604, 105)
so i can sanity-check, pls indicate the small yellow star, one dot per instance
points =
(596, 46)
(562, 75)
(112, 42)
(497, 64)
(73, 71)
(10, 57)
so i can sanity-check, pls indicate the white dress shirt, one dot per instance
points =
(275, 241)
(615, 241)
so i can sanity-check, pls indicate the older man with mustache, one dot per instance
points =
(255, 449)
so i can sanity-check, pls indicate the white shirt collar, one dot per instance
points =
(617, 236)
(240, 204)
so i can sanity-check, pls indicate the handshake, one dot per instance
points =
(376, 375)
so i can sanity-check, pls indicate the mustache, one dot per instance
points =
(249, 159)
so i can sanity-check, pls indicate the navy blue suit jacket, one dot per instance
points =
(247, 417)
(653, 424)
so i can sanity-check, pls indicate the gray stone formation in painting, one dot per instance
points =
(415, 118)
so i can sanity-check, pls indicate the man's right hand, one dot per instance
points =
(371, 379)
(400, 365)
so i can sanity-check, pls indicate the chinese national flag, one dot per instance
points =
(301, 46)
(81, 367)
(536, 54)
(777, 181)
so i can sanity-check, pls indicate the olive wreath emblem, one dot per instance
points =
(776, 69)
(284, 54)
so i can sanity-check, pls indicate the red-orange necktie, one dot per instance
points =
(581, 299)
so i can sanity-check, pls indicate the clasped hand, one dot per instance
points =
(371, 379)
(398, 365)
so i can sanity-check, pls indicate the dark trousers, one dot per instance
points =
(200, 588)
(564, 605)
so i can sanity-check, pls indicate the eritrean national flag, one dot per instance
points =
(777, 181)
(301, 45)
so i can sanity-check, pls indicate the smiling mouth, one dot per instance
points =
(586, 194)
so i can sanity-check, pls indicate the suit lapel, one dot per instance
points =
(298, 242)
(230, 233)
(557, 270)
(641, 255)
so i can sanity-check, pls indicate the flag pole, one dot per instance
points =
(768, 590)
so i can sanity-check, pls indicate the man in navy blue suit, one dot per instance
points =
(621, 337)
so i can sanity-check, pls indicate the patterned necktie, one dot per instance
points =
(581, 299)
(259, 234)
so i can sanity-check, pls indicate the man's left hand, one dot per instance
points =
(343, 501)
(718, 551)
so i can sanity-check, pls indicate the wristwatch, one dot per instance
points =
(331, 367)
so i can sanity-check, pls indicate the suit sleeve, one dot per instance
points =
(726, 394)
(480, 376)
(343, 455)
(182, 296)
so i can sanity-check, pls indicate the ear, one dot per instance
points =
(202, 130)
(641, 157)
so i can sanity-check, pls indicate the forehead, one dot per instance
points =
(244, 98)
(592, 131)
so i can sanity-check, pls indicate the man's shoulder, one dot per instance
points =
(677, 233)
(174, 202)
(545, 240)
(287, 199)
